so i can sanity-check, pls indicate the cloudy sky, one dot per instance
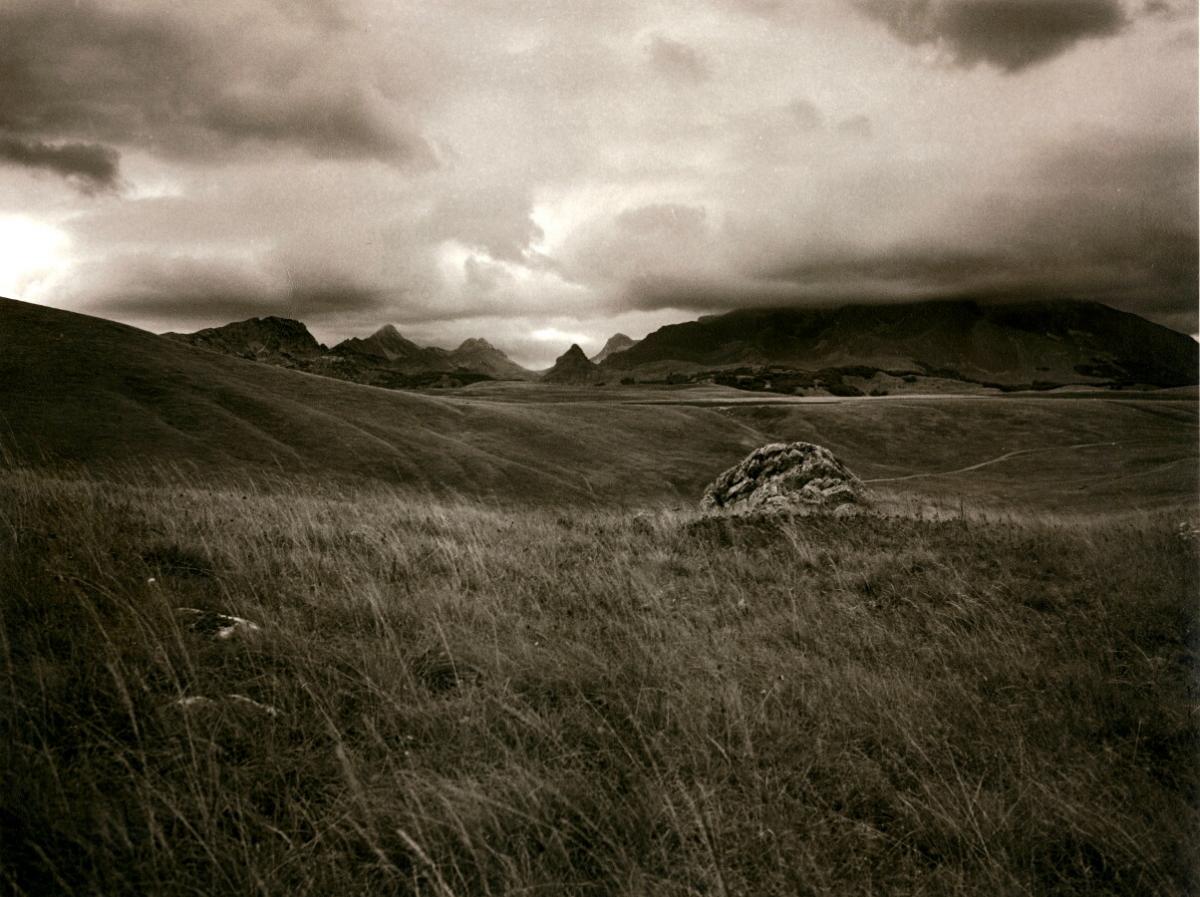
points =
(542, 171)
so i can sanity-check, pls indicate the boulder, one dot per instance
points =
(789, 477)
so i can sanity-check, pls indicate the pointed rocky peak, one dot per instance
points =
(571, 367)
(386, 342)
(572, 354)
(476, 344)
(618, 342)
(389, 337)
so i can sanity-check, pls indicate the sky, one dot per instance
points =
(541, 172)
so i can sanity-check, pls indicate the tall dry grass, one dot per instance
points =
(469, 701)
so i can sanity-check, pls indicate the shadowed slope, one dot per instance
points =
(77, 388)
(81, 389)
(618, 342)
(281, 341)
(1015, 343)
(572, 367)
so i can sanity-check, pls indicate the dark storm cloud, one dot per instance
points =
(495, 218)
(806, 114)
(1010, 34)
(856, 126)
(1108, 219)
(902, 268)
(195, 291)
(595, 161)
(88, 165)
(678, 60)
(157, 81)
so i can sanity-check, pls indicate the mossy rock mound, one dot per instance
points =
(788, 477)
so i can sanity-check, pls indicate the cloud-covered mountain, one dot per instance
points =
(468, 168)
(1011, 344)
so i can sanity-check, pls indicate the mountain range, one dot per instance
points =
(80, 390)
(1007, 345)
(943, 346)
(385, 358)
(110, 399)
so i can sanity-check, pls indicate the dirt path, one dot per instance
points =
(991, 461)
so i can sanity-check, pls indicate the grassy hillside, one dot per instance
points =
(83, 390)
(1042, 454)
(80, 389)
(466, 700)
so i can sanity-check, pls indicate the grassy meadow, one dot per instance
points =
(458, 698)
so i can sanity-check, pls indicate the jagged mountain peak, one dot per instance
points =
(573, 353)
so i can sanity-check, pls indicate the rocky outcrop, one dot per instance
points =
(280, 341)
(572, 367)
(788, 477)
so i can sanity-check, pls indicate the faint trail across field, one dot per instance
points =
(991, 461)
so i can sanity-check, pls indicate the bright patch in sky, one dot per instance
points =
(593, 166)
(31, 255)
(556, 336)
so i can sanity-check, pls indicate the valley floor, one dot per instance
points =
(455, 698)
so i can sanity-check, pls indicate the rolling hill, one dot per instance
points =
(81, 390)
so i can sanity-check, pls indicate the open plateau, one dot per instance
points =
(870, 600)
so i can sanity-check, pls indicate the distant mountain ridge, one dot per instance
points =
(270, 339)
(478, 354)
(950, 345)
(387, 343)
(618, 342)
(1020, 343)
(385, 358)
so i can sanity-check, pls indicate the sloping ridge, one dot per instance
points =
(1060, 341)
(271, 339)
(618, 342)
(74, 388)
